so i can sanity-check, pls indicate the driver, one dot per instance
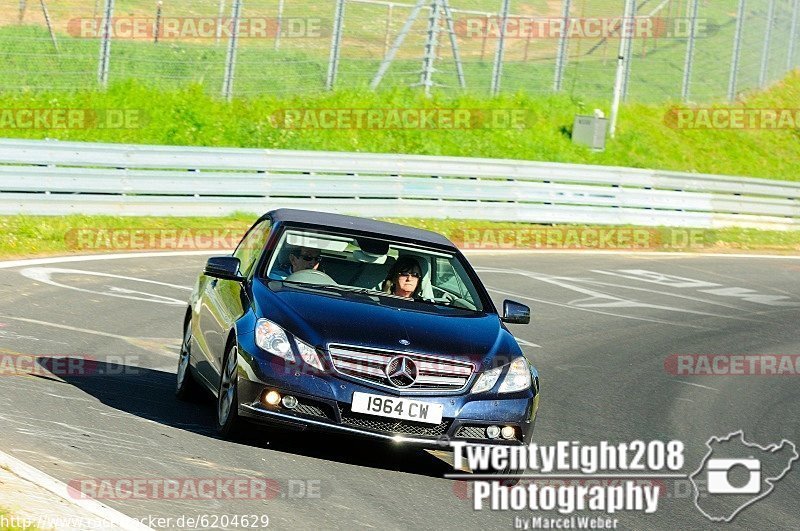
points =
(300, 259)
(404, 278)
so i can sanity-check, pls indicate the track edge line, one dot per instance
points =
(60, 489)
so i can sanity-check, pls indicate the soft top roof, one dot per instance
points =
(361, 225)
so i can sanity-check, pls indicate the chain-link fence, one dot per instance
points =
(649, 50)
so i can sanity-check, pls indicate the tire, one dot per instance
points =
(186, 387)
(228, 421)
(512, 476)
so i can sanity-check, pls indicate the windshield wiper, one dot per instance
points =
(367, 291)
(333, 287)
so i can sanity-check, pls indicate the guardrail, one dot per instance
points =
(57, 178)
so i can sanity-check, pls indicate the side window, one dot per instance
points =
(250, 247)
(446, 278)
(449, 277)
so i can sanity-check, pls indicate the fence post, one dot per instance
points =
(563, 43)
(220, 15)
(793, 37)
(157, 25)
(279, 29)
(22, 5)
(737, 50)
(230, 60)
(762, 77)
(336, 45)
(497, 73)
(105, 44)
(47, 21)
(431, 45)
(628, 36)
(622, 58)
(687, 67)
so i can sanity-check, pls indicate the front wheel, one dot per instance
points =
(510, 476)
(228, 421)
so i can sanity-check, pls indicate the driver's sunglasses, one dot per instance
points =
(409, 274)
(308, 257)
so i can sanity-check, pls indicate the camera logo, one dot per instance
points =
(719, 482)
(736, 473)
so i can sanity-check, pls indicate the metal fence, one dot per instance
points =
(56, 178)
(695, 50)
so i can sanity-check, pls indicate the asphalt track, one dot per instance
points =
(603, 326)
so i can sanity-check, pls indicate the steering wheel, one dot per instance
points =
(311, 276)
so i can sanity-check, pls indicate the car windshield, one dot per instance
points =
(329, 261)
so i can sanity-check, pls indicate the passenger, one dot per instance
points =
(404, 278)
(300, 259)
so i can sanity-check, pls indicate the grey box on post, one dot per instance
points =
(590, 131)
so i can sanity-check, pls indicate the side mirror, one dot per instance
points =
(224, 268)
(515, 313)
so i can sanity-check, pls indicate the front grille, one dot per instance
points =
(433, 374)
(471, 432)
(394, 426)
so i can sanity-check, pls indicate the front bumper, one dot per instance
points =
(325, 397)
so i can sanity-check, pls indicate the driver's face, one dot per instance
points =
(407, 281)
(304, 258)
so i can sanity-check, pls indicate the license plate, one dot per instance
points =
(397, 408)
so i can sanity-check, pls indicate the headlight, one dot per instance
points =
(518, 377)
(486, 380)
(272, 338)
(309, 354)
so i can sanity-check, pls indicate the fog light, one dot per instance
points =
(289, 402)
(271, 398)
(493, 432)
(508, 432)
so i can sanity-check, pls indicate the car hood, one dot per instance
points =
(323, 318)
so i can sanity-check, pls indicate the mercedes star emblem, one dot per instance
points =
(402, 371)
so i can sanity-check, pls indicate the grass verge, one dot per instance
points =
(31, 236)
(646, 138)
